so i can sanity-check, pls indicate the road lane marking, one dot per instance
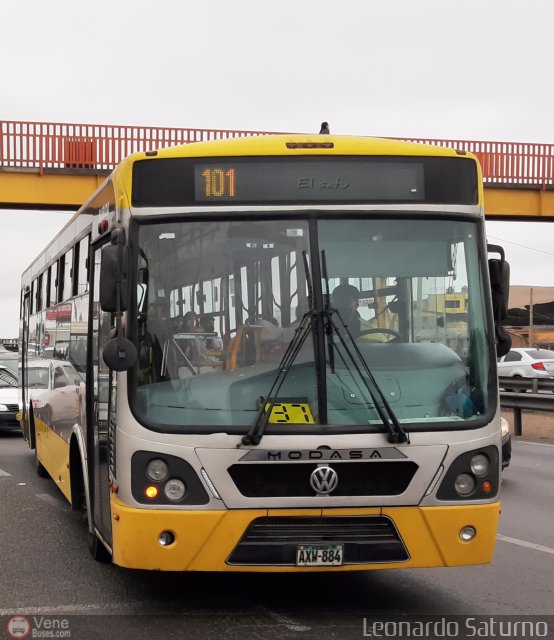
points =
(127, 608)
(285, 621)
(69, 609)
(4, 473)
(524, 543)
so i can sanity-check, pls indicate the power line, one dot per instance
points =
(548, 253)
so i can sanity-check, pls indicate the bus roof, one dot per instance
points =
(288, 145)
(297, 144)
(264, 145)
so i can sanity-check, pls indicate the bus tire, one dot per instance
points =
(97, 549)
(39, 467)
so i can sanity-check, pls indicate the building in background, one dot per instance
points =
(531, 326)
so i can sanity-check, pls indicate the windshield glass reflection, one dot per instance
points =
(218, 303)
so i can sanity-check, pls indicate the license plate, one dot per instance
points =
(312, 555)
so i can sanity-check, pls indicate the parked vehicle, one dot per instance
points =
(506, 442)
(527, 363)
(9, 400)
(54, 391)
(8, 360)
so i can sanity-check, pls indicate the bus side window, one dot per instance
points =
(60, 279)
(68, 271)
(40, 301)
(53, 279)
(80, 271)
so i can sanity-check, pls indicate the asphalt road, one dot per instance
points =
(48, 576)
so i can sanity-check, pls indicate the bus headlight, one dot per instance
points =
(504, 427)
(173, 480)
(3, 407)
(472, 475)
(464, 484)
(157, 470)
(175, 489)
(479, 464)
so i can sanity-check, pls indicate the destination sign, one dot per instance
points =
(174, 182)
(296, 181)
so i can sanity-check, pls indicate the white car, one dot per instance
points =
(9, 400)
(54, 391)
(527, 363)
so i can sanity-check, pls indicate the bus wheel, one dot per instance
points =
(97, 549)
(39, 467)
(79, 505)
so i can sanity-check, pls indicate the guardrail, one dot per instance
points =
(49, 146)
(506, 163)
(541, 397)
(53, 146)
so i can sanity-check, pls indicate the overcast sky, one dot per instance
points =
(471, 69)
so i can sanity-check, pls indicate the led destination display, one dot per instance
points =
(172, 182)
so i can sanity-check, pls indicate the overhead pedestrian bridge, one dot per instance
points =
(57, 166)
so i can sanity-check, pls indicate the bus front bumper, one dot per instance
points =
(209, 540)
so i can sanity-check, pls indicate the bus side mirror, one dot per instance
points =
(114, 268)
(499, 272)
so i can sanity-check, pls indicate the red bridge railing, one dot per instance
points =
(55, 146)
(91, 148)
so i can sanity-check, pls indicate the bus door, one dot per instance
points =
(101, 402)
(26, 419)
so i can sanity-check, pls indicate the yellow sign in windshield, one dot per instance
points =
(290, 413)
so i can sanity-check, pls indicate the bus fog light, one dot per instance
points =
(467, 534)
(479, 464)
(157, 470)
(464, 484)
(175, 489)
(166, 538)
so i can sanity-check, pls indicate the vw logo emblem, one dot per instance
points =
(323, 480)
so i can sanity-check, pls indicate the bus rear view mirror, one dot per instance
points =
(499, 271)
(113, 271)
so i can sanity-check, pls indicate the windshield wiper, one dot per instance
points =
(256, 431)
(384, 410)
(397, 434)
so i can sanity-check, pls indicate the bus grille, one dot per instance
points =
(279, 480)
(274, 540)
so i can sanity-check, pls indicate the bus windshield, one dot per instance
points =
(218, 302)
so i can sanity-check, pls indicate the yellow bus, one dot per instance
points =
(238, 356)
